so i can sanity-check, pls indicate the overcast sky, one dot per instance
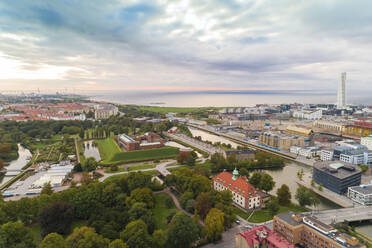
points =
(185, 45)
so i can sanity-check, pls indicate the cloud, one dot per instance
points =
(265, 44)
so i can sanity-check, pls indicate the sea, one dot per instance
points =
(221, 98)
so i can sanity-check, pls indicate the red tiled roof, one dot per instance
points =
(363, 124)
(239, 186)
(252, 236)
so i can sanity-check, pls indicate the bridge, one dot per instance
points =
(349, 214)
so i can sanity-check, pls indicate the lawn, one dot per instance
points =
(162, 211)
(142, 167)
(263, 215)
(137, 156)
(107, 149)
(36, 230)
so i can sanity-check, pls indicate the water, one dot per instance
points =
(90, 150)
(365, 228)
(222, 98)
(15, 166)
(286, 175)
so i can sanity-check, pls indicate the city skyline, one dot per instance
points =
(184, 46)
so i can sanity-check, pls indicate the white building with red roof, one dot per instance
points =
(244, 194)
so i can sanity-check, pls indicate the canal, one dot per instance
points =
(91, 150)
(15, 166)
(286, 175)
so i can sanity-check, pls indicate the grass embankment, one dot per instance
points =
(264, 215)
(111, 154)
(107, 149)
(161, 210)
(142, 167)
(131, 168)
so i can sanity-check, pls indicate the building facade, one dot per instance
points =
(240, 155)
(284, 141)
(367, 141)
(336, 176)
(309, 232)
(244, 194)
(329, 127)
(105, 111)
(358, 129)
(361, 194)
(308, 114)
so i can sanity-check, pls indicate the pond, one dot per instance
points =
(91, 150)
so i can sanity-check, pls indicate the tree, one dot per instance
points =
(90, 164)
(320, 187)
(86, 237)
(190, 159)
(159, 239)
(53, 240)
(266, 183)
(300, 174)
(214, 224)
(312, 183)
(117, 243)
(273, 207)
(47, 189)
(15, 234)
(203, 204)
(135, 235)
(255, 179)
(182, 231)
(1, 164)
(244, 172)
(306, 197)
(56, 217)
(86, 178)
(144, 195)
(284, 195)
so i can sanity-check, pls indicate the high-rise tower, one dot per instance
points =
(341, 95)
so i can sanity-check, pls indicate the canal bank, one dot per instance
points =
(15, 166)
(286, 175)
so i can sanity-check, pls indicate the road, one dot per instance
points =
(162, 168)
(349, 214)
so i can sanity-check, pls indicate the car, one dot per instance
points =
(248, 226)
(237, 222)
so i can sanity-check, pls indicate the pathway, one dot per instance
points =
(177, 203)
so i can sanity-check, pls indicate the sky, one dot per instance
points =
(112, 45)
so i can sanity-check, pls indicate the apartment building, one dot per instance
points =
(308, 231)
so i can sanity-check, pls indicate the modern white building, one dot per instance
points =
(326, 155)
(361, 194)
(357, 157)
(341, 95)
(367, 141)
(308, 114)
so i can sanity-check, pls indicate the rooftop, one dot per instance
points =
(240, 186)
(126, 138)
(363, 189)
(260, 233)
(339, 169)
(321, 228)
